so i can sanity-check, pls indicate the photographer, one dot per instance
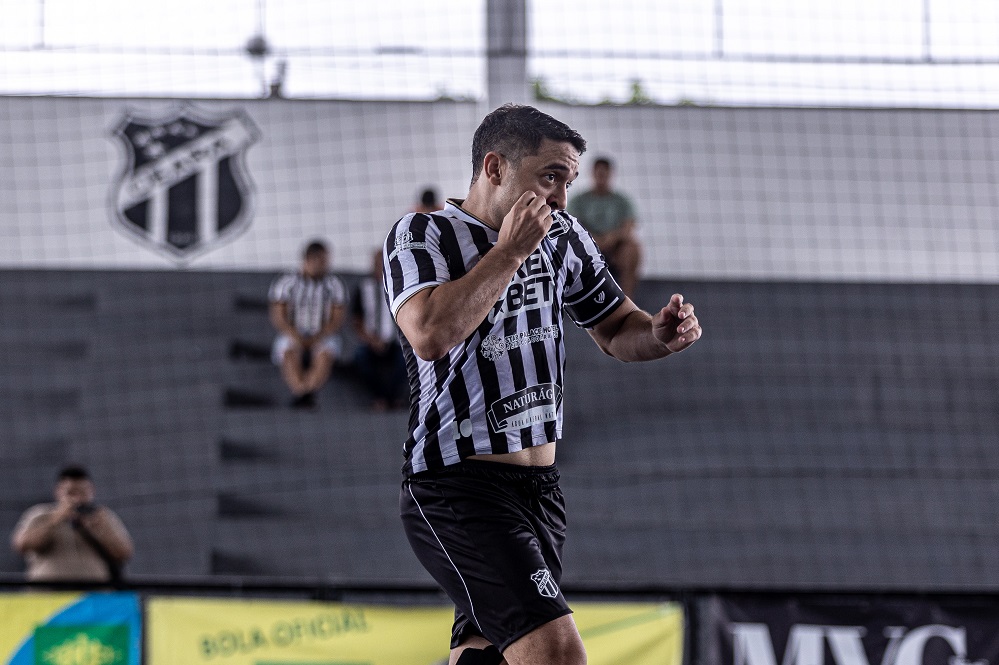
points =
(73, 539)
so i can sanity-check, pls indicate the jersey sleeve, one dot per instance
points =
(591, 292)
(280, 287)
(413, 259)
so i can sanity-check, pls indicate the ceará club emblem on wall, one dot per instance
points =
(184, 189)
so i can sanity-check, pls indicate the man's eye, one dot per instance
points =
(550, 177)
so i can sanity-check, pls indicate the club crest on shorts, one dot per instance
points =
(546, 585)
(184, 188)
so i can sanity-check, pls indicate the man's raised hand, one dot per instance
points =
(675, 325)
(525, 225)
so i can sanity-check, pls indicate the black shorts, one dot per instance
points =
(491, 534)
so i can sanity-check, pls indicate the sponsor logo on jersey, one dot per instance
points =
(546, 585)
(531, 288)
(404, 242)
(494, 346)
(184, 188)
(537, 404)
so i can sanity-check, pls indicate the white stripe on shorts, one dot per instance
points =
(470, 603)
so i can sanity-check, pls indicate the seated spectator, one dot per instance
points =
(73, 539)
(428, 201)
(610, 217)
(307, 309)
(378, 359)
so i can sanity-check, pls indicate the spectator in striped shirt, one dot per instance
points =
(307, 309)
(479, 290)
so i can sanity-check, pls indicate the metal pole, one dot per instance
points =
(927, 48)
(41, 24)
(506, 52)
(719, 28)
(265, 89)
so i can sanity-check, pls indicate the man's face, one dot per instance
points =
(317, 264)
(75, 491)
(548, 174)
(601, 177)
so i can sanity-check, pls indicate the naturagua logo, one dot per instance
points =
(81, 645)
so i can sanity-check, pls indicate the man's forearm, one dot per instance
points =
(280, 321)
(332, 324)
(634, 341)
(38, 535)
(116, 545)
(452, 311)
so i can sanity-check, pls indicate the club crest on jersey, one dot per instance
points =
(546, 585)
(184, 188)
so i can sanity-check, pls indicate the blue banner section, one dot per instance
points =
(93, 629)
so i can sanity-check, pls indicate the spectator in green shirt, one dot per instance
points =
(610, 217)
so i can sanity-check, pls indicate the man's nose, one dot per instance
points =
(558, 200)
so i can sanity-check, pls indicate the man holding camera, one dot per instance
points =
(73, 539)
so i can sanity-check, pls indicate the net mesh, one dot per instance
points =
(819, 181)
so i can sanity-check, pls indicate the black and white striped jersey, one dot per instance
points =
(308, 300)
(500, 390)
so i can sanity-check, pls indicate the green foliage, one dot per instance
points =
(638, 94)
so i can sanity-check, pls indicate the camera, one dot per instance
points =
(86, 508)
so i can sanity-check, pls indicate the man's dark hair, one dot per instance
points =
(603, 161)
(73, 472)
(315, 247)
(516, 131)
(429, 197)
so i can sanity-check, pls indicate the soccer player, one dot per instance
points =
(478, 291)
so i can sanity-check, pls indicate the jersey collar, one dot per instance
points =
(453, 208)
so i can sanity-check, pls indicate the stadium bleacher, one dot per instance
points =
(822, 436)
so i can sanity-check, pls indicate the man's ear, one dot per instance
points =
(494, 167)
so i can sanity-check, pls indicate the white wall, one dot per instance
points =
(871, 195)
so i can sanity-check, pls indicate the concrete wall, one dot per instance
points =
(791, 194)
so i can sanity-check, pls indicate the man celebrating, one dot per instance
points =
(478, 292)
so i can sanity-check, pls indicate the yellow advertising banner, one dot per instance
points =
(184, 631)
(20, 614)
